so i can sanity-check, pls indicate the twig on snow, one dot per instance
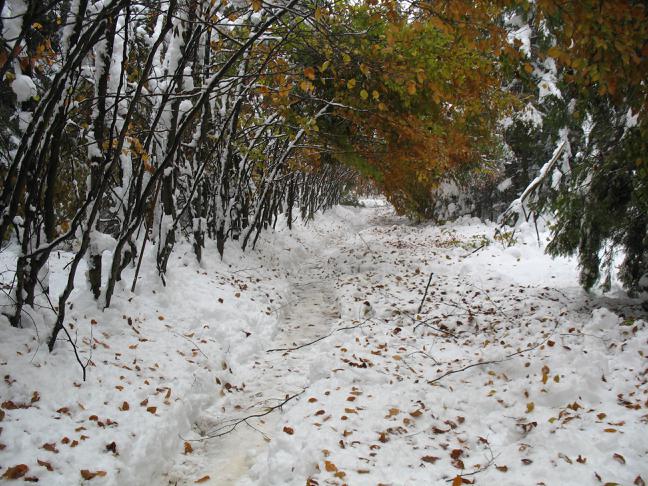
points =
(192, 342)
(495, 361)
(427, 287)
(321, 337)
(490, 462)
(228, 428)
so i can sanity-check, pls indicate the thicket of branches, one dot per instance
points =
(134, 123)
(126, 122)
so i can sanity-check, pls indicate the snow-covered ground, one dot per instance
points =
(309, 362)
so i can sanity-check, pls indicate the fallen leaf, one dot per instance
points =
(45, 464)
(202, 480)
(151, 410)
(619, 458)
(16, 472)
(112, 447)
(530, 406)
(502, 468)
(430, 459)
(393, 412)
(88, 475)
(187, 448)
(456, 453)
(288, 430)
(329, 466)
(50, 447)
(565, 458)
(125, 406)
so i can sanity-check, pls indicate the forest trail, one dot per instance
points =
(310, 311)
(504, 370)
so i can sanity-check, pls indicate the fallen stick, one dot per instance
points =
(235, 423)
(427, 287)
(319, 338)
(496, 361)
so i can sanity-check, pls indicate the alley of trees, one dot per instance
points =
(127, 125)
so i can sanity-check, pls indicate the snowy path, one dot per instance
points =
(308, 314)
(510, 375)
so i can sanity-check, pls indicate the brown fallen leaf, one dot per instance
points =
(188, 449)
(112, 447)
(502, 468)
(456, 453)
(289, 430)
(619, 458)
(50, 447)
(124, 406)
(88, 475)
(204, 479)
(151, 410)
(430, 459)
(416, 413)
(45, 464)
(16, 472)
(329, 466)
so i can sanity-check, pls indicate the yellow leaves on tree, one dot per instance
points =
(435, 98)
(602, 44)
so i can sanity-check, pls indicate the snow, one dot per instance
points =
(13, 12)
(505, 184)
(24, 87)
(510, 373)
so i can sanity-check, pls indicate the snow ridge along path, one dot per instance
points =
(511, 374)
